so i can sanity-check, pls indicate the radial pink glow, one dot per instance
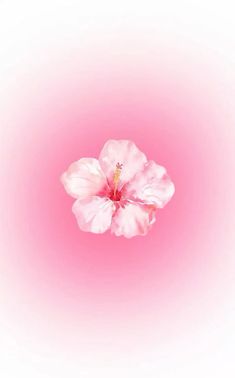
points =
(77, 273)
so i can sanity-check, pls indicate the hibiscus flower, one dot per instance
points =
(120, 191)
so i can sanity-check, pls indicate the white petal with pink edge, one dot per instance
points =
(152, 186)
(84, 178)
(94, 214)
(133, 219)
(123, 152)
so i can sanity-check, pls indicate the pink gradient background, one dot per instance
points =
(99, 284)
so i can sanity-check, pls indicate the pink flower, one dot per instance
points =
(121, 190)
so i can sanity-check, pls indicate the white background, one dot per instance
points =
(29, 27)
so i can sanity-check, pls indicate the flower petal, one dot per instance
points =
(152, 186)
(124, 152)
(84, 178)
(133, 219)
(94, 214)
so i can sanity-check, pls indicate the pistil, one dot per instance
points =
(116, 177)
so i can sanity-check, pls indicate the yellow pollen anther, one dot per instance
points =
(116, 177)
